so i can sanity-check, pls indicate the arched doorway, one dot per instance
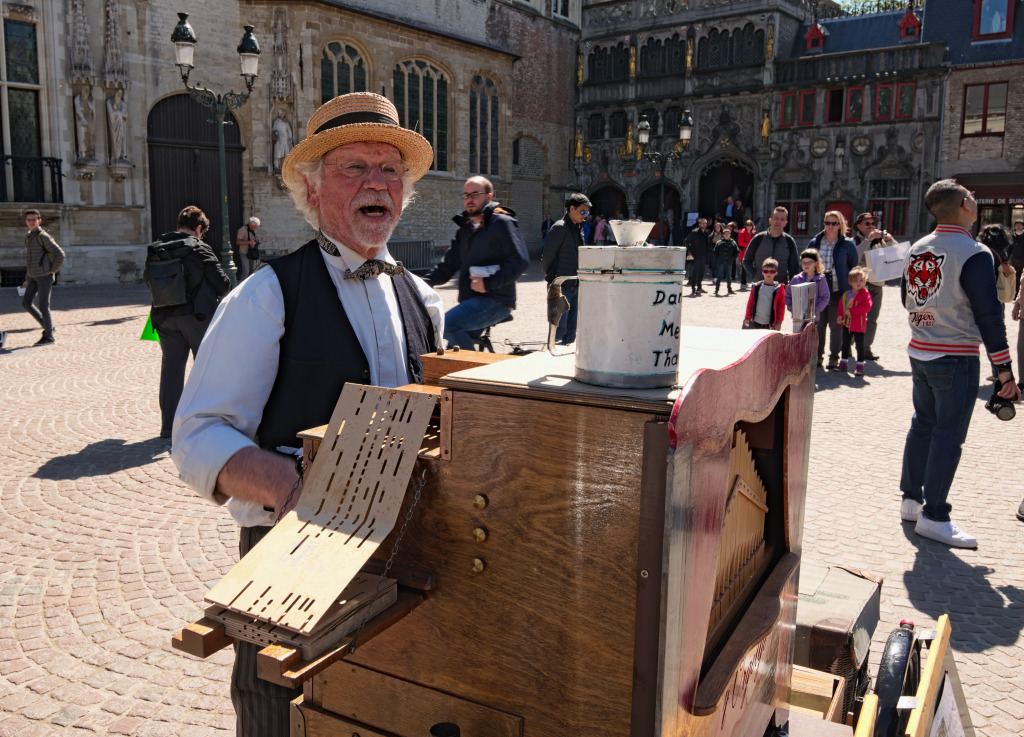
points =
(650, 204)
(184, 167)
(610, 202)
(722, 179)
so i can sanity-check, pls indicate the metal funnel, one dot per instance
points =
(630, 232)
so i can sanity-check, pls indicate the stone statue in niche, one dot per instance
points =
(689, 53)
(765, 128)
(579, 69)
(632, 61)
(281, 133)
(117, 122)
(578, 143)
(769, 48)
(85, 116)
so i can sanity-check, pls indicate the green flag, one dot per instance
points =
(148, 333)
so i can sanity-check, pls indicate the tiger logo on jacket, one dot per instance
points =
(923, 275)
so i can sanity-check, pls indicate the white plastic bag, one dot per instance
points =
(886, 263)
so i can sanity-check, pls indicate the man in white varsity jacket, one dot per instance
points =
(949, 289)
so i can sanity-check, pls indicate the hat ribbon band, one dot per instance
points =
(354, 118)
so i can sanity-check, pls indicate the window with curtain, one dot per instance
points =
(341, 71)
(484, 117)
(421, 96)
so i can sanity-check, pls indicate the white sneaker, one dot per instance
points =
(945, 532)
(910, 510)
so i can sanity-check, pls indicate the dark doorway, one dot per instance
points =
(649, 206)
(724, 180)
(610, 202)
(184, 168)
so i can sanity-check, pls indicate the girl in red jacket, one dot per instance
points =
(853, 316)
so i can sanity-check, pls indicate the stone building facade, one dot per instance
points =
(101, 135)
(983, 126)
(787, 106)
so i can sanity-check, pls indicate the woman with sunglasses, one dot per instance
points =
(838, 255)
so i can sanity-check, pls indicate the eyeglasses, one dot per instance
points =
(832, 223)
(584, 213)
(769, 271)
(471, 195)
(360, 170)
(964, 201)
(869, 222)
(809, 261)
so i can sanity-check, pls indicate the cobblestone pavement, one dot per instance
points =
(105, 553)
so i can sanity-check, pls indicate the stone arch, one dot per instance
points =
(184, 165)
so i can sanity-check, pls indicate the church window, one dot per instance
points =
(341, 71)
(595, 127)
(748, 44)
(421, 96)
(22, 140)
(652, 58)
(483, 126)
(675, 55)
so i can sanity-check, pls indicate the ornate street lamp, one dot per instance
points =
(659, 159)
(184, 39)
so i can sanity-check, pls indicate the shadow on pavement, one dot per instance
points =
(940, 582)
(102, 458)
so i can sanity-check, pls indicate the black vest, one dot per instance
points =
(320, 351)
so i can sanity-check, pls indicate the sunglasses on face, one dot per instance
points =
(584, 213)
(769, 271)
(832, 223)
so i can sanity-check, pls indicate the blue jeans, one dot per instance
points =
(465, 321)
(724, 272)
(945, 391)
(566, 332)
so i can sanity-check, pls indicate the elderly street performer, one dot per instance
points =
(337, 309)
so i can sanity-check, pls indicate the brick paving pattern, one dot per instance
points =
(105, 553)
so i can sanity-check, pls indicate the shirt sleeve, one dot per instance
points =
(230, 382)
(979, 284)
(432, 301)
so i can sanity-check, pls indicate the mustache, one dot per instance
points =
(369, 199)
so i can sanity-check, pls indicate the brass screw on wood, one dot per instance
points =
(478, 565)
(644, 573)
(479, 501)
(479, 534)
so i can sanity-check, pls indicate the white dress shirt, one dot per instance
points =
(235, 369)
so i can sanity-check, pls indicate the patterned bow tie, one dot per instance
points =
(372, 268)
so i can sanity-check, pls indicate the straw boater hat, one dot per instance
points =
(357, 116)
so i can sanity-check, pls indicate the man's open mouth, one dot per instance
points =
(373, 211)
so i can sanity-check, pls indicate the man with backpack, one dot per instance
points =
(186, 282)
(43, 259)
(773, 243)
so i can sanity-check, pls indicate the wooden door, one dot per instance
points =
(184, 167)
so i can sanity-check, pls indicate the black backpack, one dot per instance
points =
(165, 274)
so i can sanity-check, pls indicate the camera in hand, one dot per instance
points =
(1000, 407)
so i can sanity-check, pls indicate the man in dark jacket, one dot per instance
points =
(562, 258)
(489, 253)
(181, 327)
(773, 243)
(698, 245)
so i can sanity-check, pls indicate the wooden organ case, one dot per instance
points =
(606, 562)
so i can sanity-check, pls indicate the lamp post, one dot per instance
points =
(184, 39)
(661, 160)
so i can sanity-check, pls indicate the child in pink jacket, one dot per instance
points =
(853, 316)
